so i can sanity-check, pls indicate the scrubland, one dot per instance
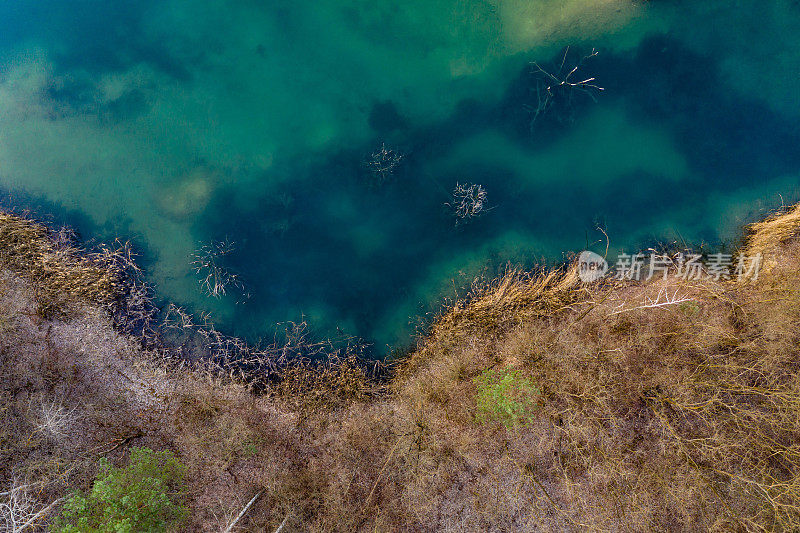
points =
(537, 403)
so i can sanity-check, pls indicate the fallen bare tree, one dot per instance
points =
(555, 90)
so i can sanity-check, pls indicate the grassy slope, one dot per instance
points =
(677, 418)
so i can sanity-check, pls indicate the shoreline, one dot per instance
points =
(568, 392)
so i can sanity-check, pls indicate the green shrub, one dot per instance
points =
(138, 497)
(505, 396)
(689, 309)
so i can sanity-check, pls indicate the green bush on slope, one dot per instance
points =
(138, 497)
(505, 396)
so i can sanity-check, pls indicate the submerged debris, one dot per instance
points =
(215, 278)
(555, 90)
(383, 162)
(469, 201)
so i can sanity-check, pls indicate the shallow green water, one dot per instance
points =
(178, 123)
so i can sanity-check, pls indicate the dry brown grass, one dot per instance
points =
(58, 273)
(677, 418)
(765, 236)
(325, 384)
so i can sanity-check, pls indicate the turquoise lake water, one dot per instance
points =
(176, 124)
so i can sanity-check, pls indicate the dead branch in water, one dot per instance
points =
(383, 162)
(215, 278)
(556, 89)
(468, 201)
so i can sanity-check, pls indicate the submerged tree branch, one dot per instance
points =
(556, 89)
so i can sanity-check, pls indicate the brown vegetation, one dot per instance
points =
(677, 418)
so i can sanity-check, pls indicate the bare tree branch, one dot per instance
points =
(215, 279)
(662, 299)
(554, 89)
(19, 511)
(241, 514)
